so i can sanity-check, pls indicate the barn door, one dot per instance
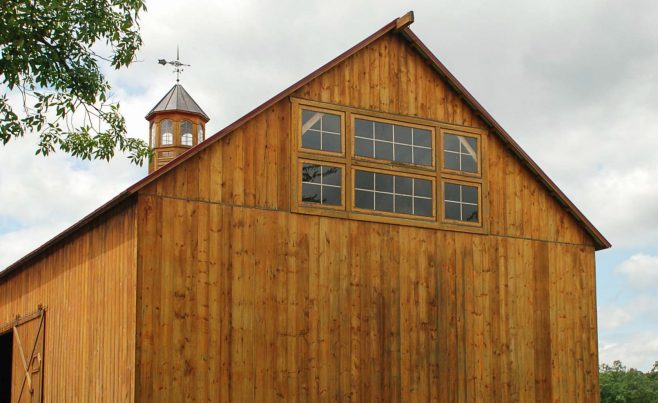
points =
(26, 336)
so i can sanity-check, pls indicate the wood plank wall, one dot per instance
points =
(250, 167)
(241, 304)
(240, 300)
(87, 284)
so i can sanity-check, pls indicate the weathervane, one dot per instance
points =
(176, 63)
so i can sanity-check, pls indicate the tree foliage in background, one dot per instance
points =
(49, 60)
(619, 385)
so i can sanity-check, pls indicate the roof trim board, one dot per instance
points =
(600, 241)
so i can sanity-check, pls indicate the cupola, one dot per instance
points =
(177, 123)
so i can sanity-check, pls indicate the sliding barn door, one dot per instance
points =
(27, 345)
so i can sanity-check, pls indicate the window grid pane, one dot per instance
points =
(460, 153)
(166, 132)
(393, 142)
(199, 133)
(458, 204)
(321, 131)
(326, 180)
(398, 196)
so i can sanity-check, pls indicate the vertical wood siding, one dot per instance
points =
(250, 167)
(242, 304)
(87, 284)
(238, 299)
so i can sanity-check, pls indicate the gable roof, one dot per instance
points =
(178, 100)
(400, 26)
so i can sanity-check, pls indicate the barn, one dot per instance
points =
(369, 234)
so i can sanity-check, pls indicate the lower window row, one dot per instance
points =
(376, 191)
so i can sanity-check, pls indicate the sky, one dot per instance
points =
(574, 82)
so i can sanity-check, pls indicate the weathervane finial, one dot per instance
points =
(176, 63)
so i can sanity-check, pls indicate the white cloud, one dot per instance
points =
(628, 332)
(612, 318)
(40, 196)
(641, 271)
(636, 350)
(14, 244)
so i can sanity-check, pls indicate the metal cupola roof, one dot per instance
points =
(177, 99)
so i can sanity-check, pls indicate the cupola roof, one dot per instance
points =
(178, 100)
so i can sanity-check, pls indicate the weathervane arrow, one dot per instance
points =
(176, 63)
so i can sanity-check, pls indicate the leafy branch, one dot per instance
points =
(47, 59)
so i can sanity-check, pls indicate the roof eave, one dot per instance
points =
(152, 114)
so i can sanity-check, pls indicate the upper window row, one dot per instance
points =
(388, 141)
(355, 164)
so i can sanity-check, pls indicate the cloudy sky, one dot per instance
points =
(574, 82)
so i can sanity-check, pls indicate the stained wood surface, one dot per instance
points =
(87, 284)
(176, 147)
(251, 167)
(211, 289)
(296, 307)
(252, 304)
(27, 360)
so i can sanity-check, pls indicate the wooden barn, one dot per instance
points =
(370, 234)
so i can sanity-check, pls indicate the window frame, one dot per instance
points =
(461, 133)
(200, 133)
(301, 162)
(182, 134)
(172, 133)
(461, 182)
(154, 135)
(391, 213)
(352, 134)
(343, 131)
(349, 162)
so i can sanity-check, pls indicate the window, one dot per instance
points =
(199, 133)
(392, 142)
(153, 135)
(186, 139)
(321, 131)
(393, 193)
(460, 153)
(461, 184)
(373, 166)
(166, 132)
(186, 133)
(461, 202)
(321, 184)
